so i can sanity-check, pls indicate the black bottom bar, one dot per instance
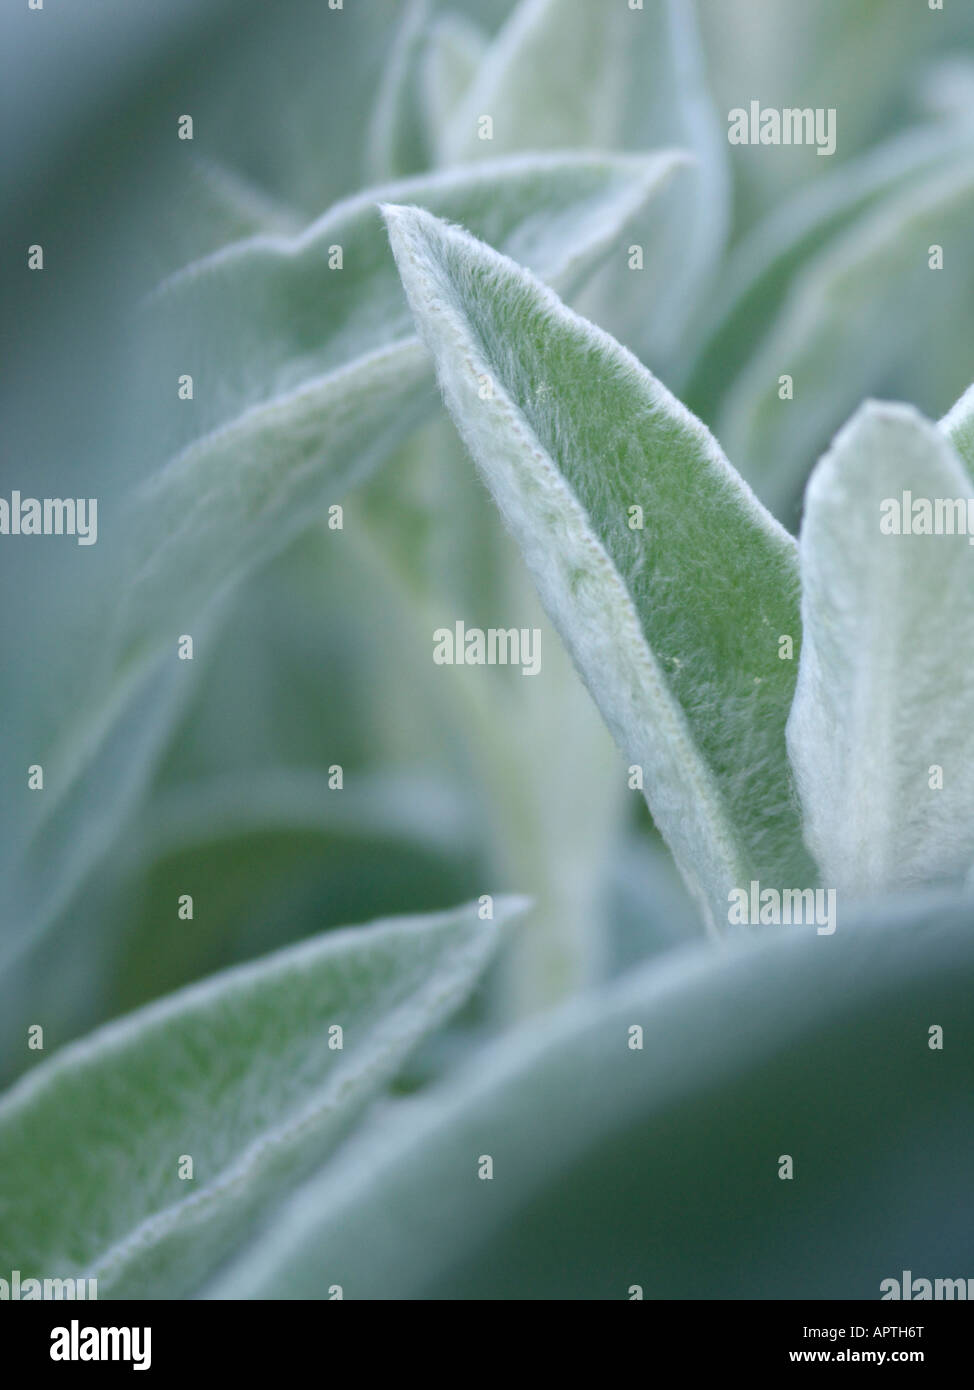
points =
(256, 1337)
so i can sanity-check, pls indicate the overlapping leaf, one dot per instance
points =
(305, 377)
(567, 74)
(758, 274)
(305, 367)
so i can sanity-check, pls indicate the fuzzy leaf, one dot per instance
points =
(658, 1166)
(237, 1073)
(675, 628)
(882, 696)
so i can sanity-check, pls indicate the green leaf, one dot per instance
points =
(567, 74)
(867, 315)
(882, 697)
(675, 628)
(238, 1072)
(958, 425)
(658, 1166)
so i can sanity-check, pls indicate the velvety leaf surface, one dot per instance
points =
(884, 696)
(236, 1072)
(675, 627)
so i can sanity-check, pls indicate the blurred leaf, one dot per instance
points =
(758, 274)
(567, 74)
(869, 306)
(418, 809)
(454, 50)
(397, 142)
(860, 59)
(310, 641)
(881, 696)
(307, 375)
(93, 781)
(945, 87)
(659, 1166)
(290, 857)
(305, 379)
(239, 1073)
(311, 74)
(675, 628)
(549, 820)
(216, 206)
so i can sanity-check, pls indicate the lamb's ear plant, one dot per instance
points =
(320, 373)
(819, 1025)
(764, 1110)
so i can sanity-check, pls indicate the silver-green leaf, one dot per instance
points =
(678, 628)
(882, 731)
(242, 1074)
